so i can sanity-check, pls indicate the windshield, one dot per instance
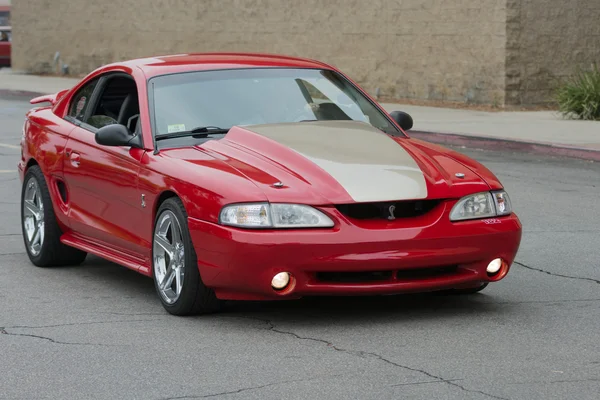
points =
(241, 97)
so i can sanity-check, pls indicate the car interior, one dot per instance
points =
(118, 104)
(323, 107)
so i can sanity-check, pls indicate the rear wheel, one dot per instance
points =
(41, 232)
(174, 264)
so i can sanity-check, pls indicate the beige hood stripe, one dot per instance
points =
(367, 163)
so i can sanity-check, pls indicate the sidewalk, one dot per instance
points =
(33, 84)
(532, 131)
(543, 132)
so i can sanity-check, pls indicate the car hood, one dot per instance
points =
(340, 162)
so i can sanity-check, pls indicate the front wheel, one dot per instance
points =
(175, 266)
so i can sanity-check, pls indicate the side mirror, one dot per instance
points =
(403, 119)
(117, 135)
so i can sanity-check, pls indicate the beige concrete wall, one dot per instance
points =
(546, 41)
(425, 49)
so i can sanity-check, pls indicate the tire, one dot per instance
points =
(37, 213)
(174, 264)
(466, 291)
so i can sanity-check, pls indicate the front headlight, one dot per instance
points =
(502, 202)
(255, 215)
(265, 215)
(481, 205)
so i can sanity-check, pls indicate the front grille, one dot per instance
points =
(425, 273)
(406, 275)
(384, 210)
(354, 277)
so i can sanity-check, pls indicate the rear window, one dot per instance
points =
(81, 100)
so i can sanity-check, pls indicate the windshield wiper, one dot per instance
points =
(198, 132)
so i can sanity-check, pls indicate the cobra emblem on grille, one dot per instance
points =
(391, 210)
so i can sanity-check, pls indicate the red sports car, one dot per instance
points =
(254, 177)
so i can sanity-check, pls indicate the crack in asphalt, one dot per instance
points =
(544, 301)
(363, 354)
(426, 382)
(553, 381)
(11, 254)
(567, 231)
(246, 389)
(80, 323)
(3, 331)
(558, 275)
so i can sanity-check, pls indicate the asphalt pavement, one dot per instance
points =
(98, 331)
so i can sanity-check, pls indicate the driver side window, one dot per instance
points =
(118, 104)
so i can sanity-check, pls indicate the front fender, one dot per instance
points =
(488, 176)
(204, 184)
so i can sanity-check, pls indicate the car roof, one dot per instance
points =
(179, 63)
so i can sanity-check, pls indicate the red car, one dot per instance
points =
(254, 177)
(5, 46)
(5, 36)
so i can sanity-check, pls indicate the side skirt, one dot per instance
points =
(79, 242)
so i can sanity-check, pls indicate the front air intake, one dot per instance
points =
(388, 210)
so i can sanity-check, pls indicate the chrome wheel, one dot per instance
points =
(33, 216)
(169, 257)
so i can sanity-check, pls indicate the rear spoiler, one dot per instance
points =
(49, 98)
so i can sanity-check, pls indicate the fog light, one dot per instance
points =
(494, 266)
(280, 281)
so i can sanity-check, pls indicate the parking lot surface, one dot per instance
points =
(99, 331)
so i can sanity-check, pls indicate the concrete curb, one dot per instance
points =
(489, 143)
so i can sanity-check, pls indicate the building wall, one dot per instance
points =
(424, 49)
(546, 41)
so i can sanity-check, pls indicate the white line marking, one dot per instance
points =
(7, 171)
(10, 146)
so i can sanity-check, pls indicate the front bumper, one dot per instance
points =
(426, 253)
(4, 55)
(21, 169)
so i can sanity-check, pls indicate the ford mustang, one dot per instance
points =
(254, 177)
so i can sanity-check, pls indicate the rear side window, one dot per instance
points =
(81, 101)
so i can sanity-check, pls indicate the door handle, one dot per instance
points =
(75, 159)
